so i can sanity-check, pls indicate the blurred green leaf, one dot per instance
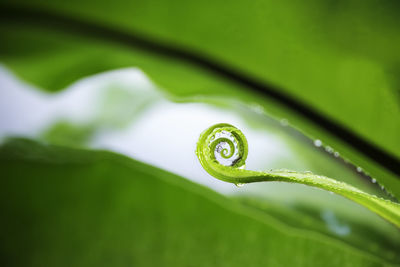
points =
(66, 207)
(340, 58)
(68, 134)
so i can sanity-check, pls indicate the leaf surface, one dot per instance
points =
(64, 207)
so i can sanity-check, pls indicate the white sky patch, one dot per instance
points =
(25, 110)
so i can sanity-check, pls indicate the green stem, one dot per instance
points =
(220, 140)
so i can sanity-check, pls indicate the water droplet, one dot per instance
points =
(328, 149)
(382, 187)
(336, 154)
(359, 169)
(373, 180)
(317, 143)
(284, 122)
(239, 185)
(257, 108)
(219, 148)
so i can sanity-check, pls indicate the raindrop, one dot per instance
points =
(336, 154)
(373, 180)
(328, 149)
(219, 148)
(359, 169)
(284, 122)
(257, 108)
(239, 185)
(317, 143)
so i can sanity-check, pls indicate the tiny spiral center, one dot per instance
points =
(226, 150)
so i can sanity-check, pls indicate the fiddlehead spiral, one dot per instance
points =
(222, 151)
(224, 144)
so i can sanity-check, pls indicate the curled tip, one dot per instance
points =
(222, 145)
(222, 151)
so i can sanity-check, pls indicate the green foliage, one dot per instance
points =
(67, 134)
(67, 207)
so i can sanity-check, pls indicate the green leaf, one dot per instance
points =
(67, 207)
(333, 58)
